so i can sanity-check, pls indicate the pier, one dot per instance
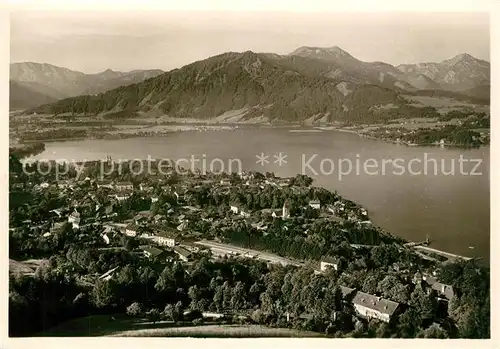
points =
(441, 253)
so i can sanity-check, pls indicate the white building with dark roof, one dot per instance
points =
(315, 204)
(164, 238)
(373, 307)
(329, 262)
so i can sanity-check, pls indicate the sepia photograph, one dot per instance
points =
(249, 174)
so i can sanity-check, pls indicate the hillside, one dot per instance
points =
(255, 84)
(57, 82)
(23, 97)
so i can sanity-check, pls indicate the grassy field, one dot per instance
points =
(123, 326)
(444, 104)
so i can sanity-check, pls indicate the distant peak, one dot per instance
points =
(336, 49)
(321, 52)
(463, 57)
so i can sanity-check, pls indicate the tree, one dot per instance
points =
(168, 312)
(178, 311)
(239, 296)
(433, 331)
(153, 315)
(425, 304)
(409, 323)
(195, 294)
(103, 293)
(370, 284)
(392, 288)
(134, 309)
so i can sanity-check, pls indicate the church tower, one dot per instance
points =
(286, 210)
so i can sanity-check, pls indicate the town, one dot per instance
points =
(246, 248)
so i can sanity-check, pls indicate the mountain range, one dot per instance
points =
(311, 83)
(50, 82)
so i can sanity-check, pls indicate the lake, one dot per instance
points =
(401, 193)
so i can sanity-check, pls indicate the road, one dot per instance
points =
(225, 249)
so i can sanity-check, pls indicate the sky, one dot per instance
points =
(94, 41)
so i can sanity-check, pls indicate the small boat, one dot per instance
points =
(471, 247)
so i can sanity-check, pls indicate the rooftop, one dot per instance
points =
(152, 250)
(182, 251)
(376, 303)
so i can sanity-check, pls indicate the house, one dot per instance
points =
(225, 181)
(284, 182)
(146, 187)
(245, 214)
(131, 230)
(74, 218)
(123, 195)
(164, 238)
(234, 209)
(329, 262)
(142, 217)
(151, 252)
(444, 290)
(154, 199)
(315, 204)
(124, 186)
(373, 307)
(183, 254)
(105, 184)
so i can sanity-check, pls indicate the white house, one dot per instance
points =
(131, 230)
(105, 184)
(315, 204)
(329, 263)
(370, 306)
(165, 239)
(245, 214)
(122, 196)
(124, 186)
(234, 209)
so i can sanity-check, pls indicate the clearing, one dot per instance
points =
(123, 326)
